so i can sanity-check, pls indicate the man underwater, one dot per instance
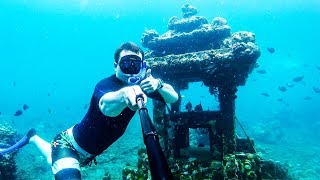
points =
(113, 104)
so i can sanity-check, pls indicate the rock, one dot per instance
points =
(219, 21)
(188, 10)
(274, 170)
(186, 25)
(190, 34)
(8, 136)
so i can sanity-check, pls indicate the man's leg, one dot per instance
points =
(33, 138)
(43, 146)
(65, 159)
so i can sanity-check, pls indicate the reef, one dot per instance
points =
(194, 50)
(8, 136)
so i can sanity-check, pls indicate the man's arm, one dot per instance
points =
(112, 104)
(151, 84)
(168, 93)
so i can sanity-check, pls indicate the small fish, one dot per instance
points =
(290, 84)
(0, 113)
(271, 50)
(49, 94)
(265, 94)
(262, 71)
(307, 98)
(202, 96)
(282, 88)
(18, 113)
(49, 111)
(14, 84)
(256, 65)
(198, 108)
(188, 106)
(297, 78)
(182, 96)
(25, 107)
(280, 99)
(86, 106)
(318, 67)
(316, 89)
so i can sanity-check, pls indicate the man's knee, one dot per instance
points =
(66, 168)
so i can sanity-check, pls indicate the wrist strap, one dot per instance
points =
(160, 84)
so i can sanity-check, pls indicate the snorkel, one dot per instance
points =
(132, 80)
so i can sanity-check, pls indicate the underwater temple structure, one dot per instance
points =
(196, 50)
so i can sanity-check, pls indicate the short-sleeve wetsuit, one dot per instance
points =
(94, 134)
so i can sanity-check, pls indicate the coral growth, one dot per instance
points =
(8, 136)
(190, 34)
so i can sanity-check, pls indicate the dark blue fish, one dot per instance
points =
(0, 113)
(18, 113)
(189, 106)
(25, 107)
(262, 71)
(198, 108)
(271, 50)
(316, 89)
(298, 78)
(265, 94)
(282, 88)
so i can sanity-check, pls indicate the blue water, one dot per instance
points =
(53, 52)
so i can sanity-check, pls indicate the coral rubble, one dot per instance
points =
(8, 136)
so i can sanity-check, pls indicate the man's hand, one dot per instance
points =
(150, 84)
(130, 95)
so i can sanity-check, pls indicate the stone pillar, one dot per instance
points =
(181, 132)
(227, 98)
(161, 123)
(227, 127)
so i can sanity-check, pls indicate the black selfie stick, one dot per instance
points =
(157, 161)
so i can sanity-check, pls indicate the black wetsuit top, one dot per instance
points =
(96, 132)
